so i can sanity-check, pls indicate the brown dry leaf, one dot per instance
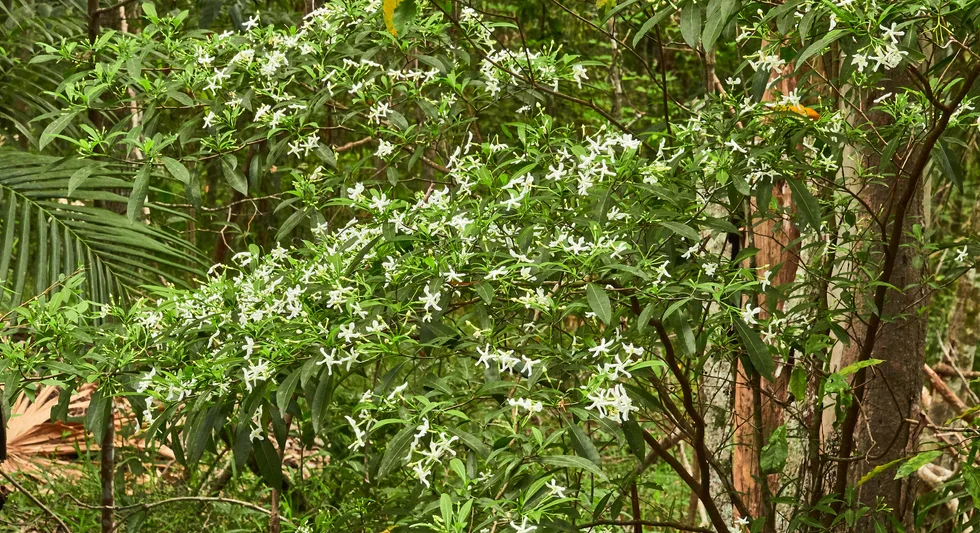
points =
(35, 442)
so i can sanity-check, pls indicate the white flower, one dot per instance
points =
(258, 371)
(251, 23)
(690, 251)
(766, 279)
(378, 112)
(735, 147)
(256, 434)
(889, 56)
(385, 149)
(556, 489)
(709, 269)
(359, 435)
(891, 33)
(146, 381)
(209, 118)
(602, 347)
(579, 74)
(431, 300)
(249, 346)
(748, 316)
(961, 254)
(612, 403)
(526, 404)
(523, 528)
(380, 202)
(860, 60)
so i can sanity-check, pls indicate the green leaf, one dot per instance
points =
(599, 302)
(657, 18)
(644, 321)
(818, 46)
(877, 470)
(52, 130)
(797, 383)
(757, 350)
(471, 441)
(286, 389)
(485, 290)
(716, 17)
(573, 461)
(138, 195)
(950, 164)
(446, 508)
(583, 444)
(318, 407)
(78, 177)
(854, 367)
(634, 437)
(807, 206)
(269, 462)
(774, 453)
(177, 170)
(395, 451)
(916, 462)
(681, 229)
(685, 342)
(691, 23)
(234, 177)
(971, 482)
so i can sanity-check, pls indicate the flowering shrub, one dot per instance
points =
(488, 315)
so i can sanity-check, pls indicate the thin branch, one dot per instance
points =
(113, 7)
(950, 397)
(36, 501)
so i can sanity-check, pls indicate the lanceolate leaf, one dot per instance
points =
(269, 462)
(808, 208)
(716, 17)
(774, 453)
(52, 130)
(599, 302)
(138, 196)
(757, 350)
(691, 23)
(234, 177)
(583, 444)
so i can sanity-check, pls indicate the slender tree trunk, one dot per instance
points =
(887, 396)
(774, 237)
(615, 76)
(107, 468)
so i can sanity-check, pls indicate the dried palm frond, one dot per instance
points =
(35, 441)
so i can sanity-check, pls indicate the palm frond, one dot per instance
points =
(44, 234)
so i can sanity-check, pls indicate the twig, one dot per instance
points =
(36, 501)
(147, 506)
(113, 7)
(948, 395)
(353, 144)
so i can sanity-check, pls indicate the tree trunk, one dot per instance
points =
(107, 468)
(892, 389)
(774, 237)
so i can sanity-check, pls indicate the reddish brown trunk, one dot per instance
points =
(773, 237)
